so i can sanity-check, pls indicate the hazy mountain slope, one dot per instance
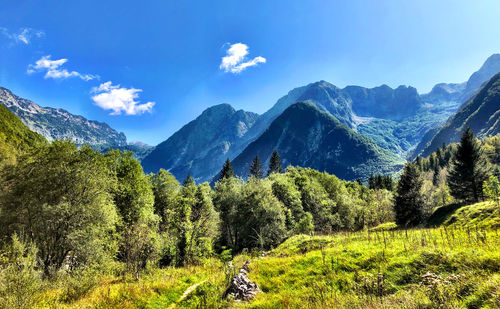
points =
(201, 146)
(489, 68)
(15, 137)
(305, 136)
(384, 102)
(481, 113)
(59, 124)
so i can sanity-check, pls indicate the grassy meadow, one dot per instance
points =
(456, 265)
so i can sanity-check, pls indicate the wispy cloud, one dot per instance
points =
(235, 60)
(23, 35)
(120, 99)
(52, 69)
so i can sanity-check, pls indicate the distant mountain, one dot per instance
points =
(489, 68)
(15, 137)
(201, 146)
(305, 136)
(59, 124)
(384, 102)
(481, 113)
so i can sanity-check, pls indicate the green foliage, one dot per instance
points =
(58, 197)
(409, 203)
(256, 168)
(15, 137)
(469, 169)
(19, 279)
(491, 189)
(274, 163)
(227, 170)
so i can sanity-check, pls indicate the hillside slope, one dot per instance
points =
(481, 113)
(15, 137)
(305, 136)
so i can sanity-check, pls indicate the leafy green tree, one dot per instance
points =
(19, 278)
(204, 224)
(274, 164)
(469, 169)
(492, 189)
(260, 218)
(227, 197)
(305, 224)
(256, 168)
(166, 190)
(58, 197)
(134, 199)
(227, 170)
(409, 203)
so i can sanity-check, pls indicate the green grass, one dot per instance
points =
(456, 265)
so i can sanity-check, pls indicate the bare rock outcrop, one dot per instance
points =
(241, 288)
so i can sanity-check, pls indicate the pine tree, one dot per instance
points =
(371, 181)
(256, 168)
(409, 203)
(189, 180)
(227, 170)
(275, 164)
(468, 170)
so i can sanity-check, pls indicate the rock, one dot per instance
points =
(241, 288)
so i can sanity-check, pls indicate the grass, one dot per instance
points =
(453, 266)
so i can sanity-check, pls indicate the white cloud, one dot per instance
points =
(235, 60)
(23, 35)
(119, 99)
(53, 69)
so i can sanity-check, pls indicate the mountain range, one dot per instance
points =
(350, 131)
(57, 123)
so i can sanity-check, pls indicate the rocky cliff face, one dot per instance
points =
(201, 147)
(59, 124)
(305, 136)
(481, 113)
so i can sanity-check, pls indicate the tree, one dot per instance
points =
(492, 189)
(58, 198)
(19, 280)
(468, 170)
(227, 170)
(256, 168)
(134, 199)
(204, 224)
(275, 164)
(409, 203)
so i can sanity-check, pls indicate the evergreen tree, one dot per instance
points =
(227, 170)
(275, 164)
(409, 203)
(188, 181)
(468, 170)
(371, 181)
(435, 175)
(256, 168)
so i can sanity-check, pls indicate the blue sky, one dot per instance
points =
(164, 57)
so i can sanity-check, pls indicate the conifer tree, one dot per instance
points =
(256, 168)
(188, 181)
(468, 170)
(227, 170)
(371, 181)
(409, 203)
(275, 164)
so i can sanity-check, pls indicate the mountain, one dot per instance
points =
(384, 102)
(59, 124)
(201, 146)
(305, 136)
(15, 137)
(489, 68)
(481, 113)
